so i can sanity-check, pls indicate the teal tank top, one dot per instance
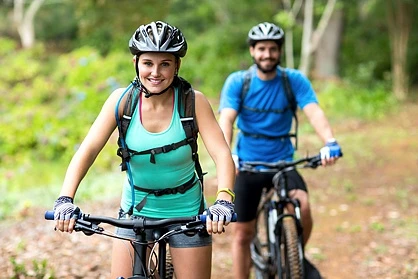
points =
(170, 170)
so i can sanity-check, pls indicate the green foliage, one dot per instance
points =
(107, 25)
(368, 45)
(40, 270)
(7, 46)
(208, 62)
(284, 20)
(377, 226)
(53, 110)
(49, 25)
(48, 104)
(345, 99)
(19, 269)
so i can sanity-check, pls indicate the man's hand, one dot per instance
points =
(330, 152)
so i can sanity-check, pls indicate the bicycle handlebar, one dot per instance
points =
(311, 162)
(138, 223)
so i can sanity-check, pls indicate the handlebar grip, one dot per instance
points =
(49, 215)
(202, 218)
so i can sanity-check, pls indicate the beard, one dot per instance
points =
(271, 68)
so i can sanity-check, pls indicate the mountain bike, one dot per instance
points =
(277, 248)
(158, 262)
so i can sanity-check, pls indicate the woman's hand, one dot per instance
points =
(65, 214)
(219, 215)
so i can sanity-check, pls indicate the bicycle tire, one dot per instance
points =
(260, 248)
(258, 260)
(290, 262)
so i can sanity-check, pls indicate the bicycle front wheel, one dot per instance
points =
(169, 268)
(290, 262)
(261, 247)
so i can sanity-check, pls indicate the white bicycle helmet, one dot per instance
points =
(265, 31)
(158, 36)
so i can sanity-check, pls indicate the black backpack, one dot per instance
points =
(289, 95)
(186, 109)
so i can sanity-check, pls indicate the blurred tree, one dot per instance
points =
(326, 63)
(311, 37)
(320, 14)
(107, 24)
(287, 20)
(24, 20)
(399, 16)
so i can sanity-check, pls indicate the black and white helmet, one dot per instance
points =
(158, 36)
(265, 31)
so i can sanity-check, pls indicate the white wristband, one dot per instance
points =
(331, 140)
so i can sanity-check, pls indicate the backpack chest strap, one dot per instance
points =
(170, 191)
(163, 149)
(260, 136)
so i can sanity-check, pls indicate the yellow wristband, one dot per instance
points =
(228, 191)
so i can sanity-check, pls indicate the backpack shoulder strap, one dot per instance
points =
(246, 83)
(292, 102)
(128, 109)
(288, 89)
(187, 111)
(124, 122)
(186, 103)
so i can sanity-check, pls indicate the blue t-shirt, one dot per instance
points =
(267, 115)
(170, 170)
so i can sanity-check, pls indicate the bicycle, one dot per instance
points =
(277, 248)
(143, 268)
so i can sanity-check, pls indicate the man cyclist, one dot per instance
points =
(264, 122)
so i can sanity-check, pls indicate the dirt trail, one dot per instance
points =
(365, 210)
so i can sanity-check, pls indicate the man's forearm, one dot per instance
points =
(319, 121)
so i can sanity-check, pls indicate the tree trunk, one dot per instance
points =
(328, 51)
(399, 13)
(311, 39)
(293, 12)
(24, 21)
(306, 37)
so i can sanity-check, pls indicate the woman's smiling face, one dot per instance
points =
(157, 70)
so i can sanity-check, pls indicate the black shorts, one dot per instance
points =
(249, 187)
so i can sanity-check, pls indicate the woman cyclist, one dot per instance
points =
(157, 48)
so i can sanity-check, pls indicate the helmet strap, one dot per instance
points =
(147, 94)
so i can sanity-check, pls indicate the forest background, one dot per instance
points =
(60, 60)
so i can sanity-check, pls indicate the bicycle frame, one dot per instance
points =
(283, 229)
(274, 211)
(140, 252)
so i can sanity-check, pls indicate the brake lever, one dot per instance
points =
(314, 163)
(88, 228)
